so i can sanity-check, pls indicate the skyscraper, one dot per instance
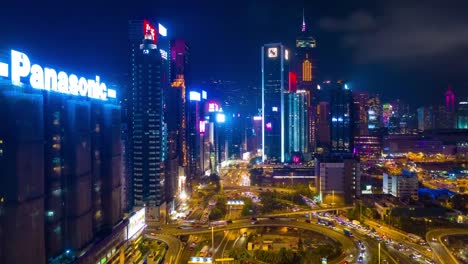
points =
(305, 57)
(450, 108)
(342, 118)
(175, 117)
(462, 115)
(60, 156)
(275, 77)
(298, 129)
(147, 149)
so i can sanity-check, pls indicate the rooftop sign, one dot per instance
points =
(21, 69)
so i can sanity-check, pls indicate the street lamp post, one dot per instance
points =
(379, 252)
(212, 240)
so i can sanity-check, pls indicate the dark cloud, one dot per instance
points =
(402, 32)
(357, 21)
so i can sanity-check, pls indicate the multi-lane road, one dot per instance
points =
(436, 237)
(349, 246)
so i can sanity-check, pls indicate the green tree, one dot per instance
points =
(300, 245)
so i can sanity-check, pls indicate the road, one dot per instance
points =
(400, 237)
(435, 240)
(174, 246)
(348, 245)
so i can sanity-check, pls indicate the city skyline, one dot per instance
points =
(245, 132)
(344, 33)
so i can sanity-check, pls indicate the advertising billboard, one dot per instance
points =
(136, 223)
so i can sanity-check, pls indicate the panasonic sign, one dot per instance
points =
(44, 78)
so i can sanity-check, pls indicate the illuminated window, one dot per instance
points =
(307, 70)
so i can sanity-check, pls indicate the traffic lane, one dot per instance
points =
(444, 254)
(401, 237)
(348, 245)
(174, 246)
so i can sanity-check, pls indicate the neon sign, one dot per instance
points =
(163, 54)
(202, 127)
(44, 78)
(213, 107)
(162, 30)
(148, 28)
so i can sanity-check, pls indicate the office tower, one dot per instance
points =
(462, 115)
(374, 113)
(60, 155)
(425, 118)
(367, 146)
(235, 135)
(323, 127)
(360, 114)
(386, 114)
(195, 130)
(338, 179)
(298, 129)
(342, 119)
(275, 76)
(147, 131)
(450, 113)
(305, 58)
(175, 116)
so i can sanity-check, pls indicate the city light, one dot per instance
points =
(204, 95)
(194, 96)
(162, 30)
(257, 118)
(220, 118)
(136, 223)
(268, 126)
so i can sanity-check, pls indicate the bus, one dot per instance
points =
(347, 232)
(325, 221)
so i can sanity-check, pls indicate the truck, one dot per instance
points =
(347, 232)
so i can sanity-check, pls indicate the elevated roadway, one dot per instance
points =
(436, 237)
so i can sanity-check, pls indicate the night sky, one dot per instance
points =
(411, 51)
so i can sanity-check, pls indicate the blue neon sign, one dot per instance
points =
(44, 78)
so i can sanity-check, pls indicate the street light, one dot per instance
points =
(379, 252)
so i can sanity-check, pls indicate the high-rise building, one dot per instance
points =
(175, 116)
(462, 115)
(196, 128)
(323, 127)
(450, 114)
(148, 130)
(60, 155)
(342, 119)
(305, 58)
(275, 77)
(374, 112)
(298, 129)
(360, 114)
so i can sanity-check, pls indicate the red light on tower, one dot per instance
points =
(292, 82)
(148, 28)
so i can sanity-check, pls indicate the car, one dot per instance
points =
(360, 259)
